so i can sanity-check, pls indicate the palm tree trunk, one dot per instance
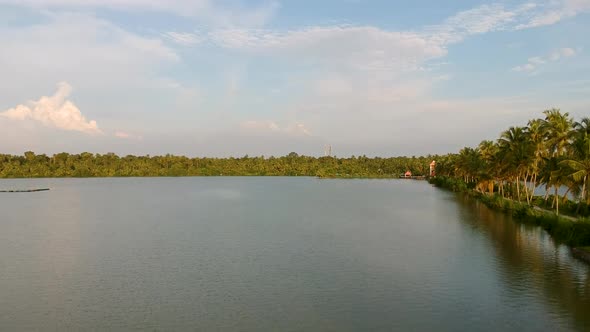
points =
(525, 187)
(518, 188)
(529, 191)
(556, 202)
(565, 195)
(534, 187)
(584, 193)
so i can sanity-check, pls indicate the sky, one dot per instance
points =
(270, 77)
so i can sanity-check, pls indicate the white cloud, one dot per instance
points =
(375, 49)
(267, 126)
(184, 38)
(81, 44)
(55, 111)
(125, 135)
(562, 53)
(526, 67)
(144, 5)
(205, 10)
(362, 94)
(361, 47)
(373, 77)
(482, 19)
(536, 62)
(116, 73)
(554, 11)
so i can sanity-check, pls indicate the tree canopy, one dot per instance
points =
(551, 152)
(31, 165)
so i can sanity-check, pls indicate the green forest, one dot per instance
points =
(31, 165)
(550, 154)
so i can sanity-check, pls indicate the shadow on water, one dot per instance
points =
(531, 262)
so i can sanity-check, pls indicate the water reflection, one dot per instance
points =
(42, 232)
(532, 264)
(258, 254)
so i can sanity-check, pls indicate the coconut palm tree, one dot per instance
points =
(552, 175)
(516, 151)
(579, 162)
(536, 131)
(468, 164)
(558, 128)
(488, 151)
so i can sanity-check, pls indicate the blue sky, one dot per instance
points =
(229, 78)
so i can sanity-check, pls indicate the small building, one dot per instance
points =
(408, 174)
(433, 168)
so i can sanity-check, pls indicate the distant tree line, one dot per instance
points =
(32, 165)
(552, 153)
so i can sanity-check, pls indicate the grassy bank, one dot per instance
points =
(574, 232)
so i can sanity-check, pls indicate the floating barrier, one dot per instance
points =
(24, 190)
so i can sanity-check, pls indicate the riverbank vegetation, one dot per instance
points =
(550, 153)
(31, 165)
(535, 172)
(573, 231)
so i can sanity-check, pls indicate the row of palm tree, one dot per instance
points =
(551, 152)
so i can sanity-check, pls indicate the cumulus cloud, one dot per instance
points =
(535, 62)
(268, 126)
(121, 75)
(370, 75)
(55, 111)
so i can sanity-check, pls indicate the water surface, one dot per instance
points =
(289, 254)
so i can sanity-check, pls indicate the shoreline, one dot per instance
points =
(571, 231)
(352, 177)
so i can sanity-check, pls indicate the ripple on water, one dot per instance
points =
(288, 254)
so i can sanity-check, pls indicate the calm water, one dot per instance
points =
(288, 254)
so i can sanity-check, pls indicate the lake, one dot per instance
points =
(276, 253)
